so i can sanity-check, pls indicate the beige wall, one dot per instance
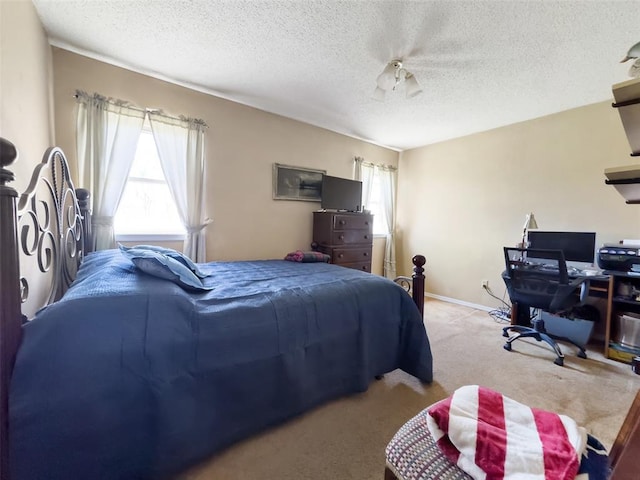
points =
(25, 86)
(242, 145)
(474, 192)
(26, 109)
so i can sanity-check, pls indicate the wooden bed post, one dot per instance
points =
(624, 452)
(10, 315)
(418, 282)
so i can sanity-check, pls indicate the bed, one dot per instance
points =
(126, 375)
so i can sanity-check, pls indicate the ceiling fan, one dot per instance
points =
(411, 36)
(393, 74)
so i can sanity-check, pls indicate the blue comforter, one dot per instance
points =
(129, 376)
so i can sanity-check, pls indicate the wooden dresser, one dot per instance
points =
(347, 237)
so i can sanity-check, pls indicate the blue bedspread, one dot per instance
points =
(129, 376)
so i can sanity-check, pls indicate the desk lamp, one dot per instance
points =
(529, 223)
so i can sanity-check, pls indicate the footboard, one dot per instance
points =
(415, 284)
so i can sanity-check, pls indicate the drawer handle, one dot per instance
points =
(366, 237)
(341, 255)
(366, 254)
(364, 267)
(366, 223)
(342, 222)
(341, 237)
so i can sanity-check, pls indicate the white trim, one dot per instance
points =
(459, 302)
(151, 237)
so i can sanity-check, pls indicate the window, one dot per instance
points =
(376, 206)
(146, 208)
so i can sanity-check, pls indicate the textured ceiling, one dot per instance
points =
(482, 64)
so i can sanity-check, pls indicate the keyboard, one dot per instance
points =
(571, 271)
(548, 268)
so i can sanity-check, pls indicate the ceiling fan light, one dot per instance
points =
(379, 94)
(387, 79)
(413, 88)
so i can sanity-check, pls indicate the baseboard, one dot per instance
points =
(459, 302)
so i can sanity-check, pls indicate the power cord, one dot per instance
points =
(501, 314)
(491, 294)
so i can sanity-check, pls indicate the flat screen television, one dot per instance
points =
(576, 246)
(341, 194)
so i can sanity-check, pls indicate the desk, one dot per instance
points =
(600, 286)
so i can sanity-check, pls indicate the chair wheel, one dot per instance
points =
(582, 354)
(507, 347)
(559, 361)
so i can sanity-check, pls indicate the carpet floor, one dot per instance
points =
(345, 439)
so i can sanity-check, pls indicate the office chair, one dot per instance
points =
(537, 278)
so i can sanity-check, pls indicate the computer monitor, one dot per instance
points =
(576, 246)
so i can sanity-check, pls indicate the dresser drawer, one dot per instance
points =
(346, 237)
(353, 222)
(362, 266)
(348, 255)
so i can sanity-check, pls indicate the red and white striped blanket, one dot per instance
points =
(491, 436)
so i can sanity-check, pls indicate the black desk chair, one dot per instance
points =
(537, 278)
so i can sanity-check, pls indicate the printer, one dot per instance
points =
(619, 258)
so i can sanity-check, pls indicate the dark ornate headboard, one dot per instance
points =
(46, 228)
(50, 225)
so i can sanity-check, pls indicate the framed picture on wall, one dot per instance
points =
(296, 183)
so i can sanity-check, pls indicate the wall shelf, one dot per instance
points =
(627, 102)
(626, 179)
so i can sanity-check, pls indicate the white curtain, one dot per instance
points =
(388, 179)
(364, 172)
(107, 137)
(180, 143)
